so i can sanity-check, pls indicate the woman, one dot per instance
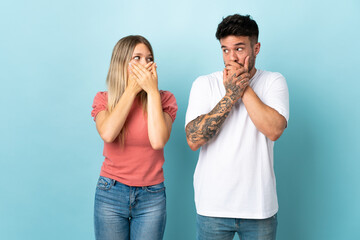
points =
(134, 119)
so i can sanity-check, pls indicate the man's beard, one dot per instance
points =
(251, 62)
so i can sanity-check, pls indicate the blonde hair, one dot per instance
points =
(117, 78)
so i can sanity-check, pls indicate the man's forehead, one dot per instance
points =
(233, 45)
(234, 41)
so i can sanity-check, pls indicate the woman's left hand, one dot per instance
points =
(147, 79)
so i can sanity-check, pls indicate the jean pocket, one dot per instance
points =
(105, 183)
(155, 188)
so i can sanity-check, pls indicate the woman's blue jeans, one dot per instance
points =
(123, 212)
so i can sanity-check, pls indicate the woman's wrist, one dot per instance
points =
(153, 92)
(132, 91)
(154, 97)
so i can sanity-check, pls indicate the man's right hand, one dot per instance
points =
(236, 79)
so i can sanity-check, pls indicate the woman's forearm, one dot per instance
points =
(158, 127)
(108, 124)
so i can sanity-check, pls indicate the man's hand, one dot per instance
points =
(236, 78)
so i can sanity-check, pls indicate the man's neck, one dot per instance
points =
(252, 72)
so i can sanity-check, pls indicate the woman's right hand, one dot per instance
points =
(145, 76)
(132, 83)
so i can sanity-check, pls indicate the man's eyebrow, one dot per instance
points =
(236, 44)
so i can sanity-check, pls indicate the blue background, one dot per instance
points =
(54, 57)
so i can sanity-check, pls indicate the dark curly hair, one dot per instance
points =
(238, 25)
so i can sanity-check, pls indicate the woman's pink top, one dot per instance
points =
(136, 163)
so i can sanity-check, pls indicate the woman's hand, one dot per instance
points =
(132, 85)
(145, 76)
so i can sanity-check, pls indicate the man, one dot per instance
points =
(235, 116)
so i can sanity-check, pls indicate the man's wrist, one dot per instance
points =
(232, 97)
(229, 100)
(246, 93)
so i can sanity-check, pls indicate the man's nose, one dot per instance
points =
(233, 56)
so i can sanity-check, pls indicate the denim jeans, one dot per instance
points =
(215, 228)
(123, 212)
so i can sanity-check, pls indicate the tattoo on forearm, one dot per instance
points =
(233, 90)
(208, 125)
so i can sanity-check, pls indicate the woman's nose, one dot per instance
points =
(143, 61)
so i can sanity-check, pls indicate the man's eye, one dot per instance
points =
(226, 51)
(239, 49)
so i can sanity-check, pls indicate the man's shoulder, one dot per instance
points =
(209, 78)
(269, 75)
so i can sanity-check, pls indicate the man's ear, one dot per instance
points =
(257, 48)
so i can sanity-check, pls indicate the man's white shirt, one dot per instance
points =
(234, 176)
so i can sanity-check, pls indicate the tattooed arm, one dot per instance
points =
(265, 118)
(200, 130)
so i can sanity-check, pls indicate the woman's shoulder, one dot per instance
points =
(167, 96)
(99, 104)
(168, 103)
(165, 93)
(101, 94)
(101, 98)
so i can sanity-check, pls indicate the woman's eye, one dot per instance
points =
(149, 60)
(136, 58)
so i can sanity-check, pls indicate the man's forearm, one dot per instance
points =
(203, 128)
(200, 130)
(266, 119)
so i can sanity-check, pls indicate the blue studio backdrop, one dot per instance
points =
(54, 57)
